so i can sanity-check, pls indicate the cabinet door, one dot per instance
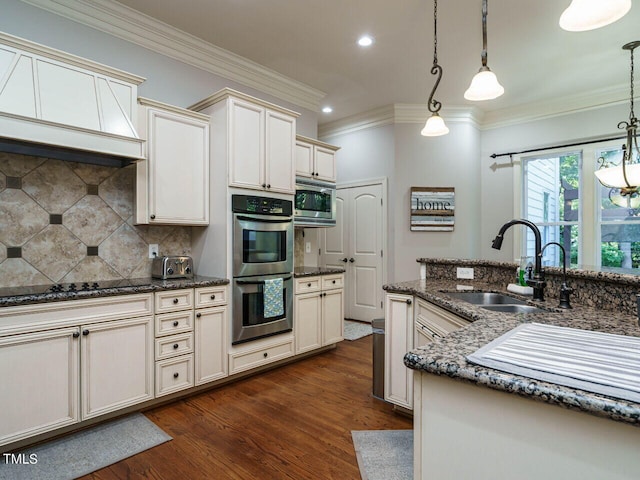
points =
(116, 365)
(325, 164)
(332, 316)
(211, 360)
(246, 145)
(40, 376)
(280, 142)
(178, 156)
(304, 160)
(308, 321)
(398, 340)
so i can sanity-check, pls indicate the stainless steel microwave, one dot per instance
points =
(314, 204)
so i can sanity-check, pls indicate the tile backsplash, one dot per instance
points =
(67, 222)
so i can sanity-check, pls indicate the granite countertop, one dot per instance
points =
(447, 356)
(312, 271)
(13, 296)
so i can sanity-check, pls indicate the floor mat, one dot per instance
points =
(356, 330)
(384, 454)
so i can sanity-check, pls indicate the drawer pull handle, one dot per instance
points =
(213, 297)
(198, 315)
(176, 323)
(176, 375)
(175, 300)
(85, 332)
(265, 354)
(333, 281)
(308, 285)
(175, 346)
(409, 301)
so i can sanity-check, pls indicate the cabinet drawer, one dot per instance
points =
(332, 281)
(438, 320)
(211, 297)
(174, 345)
(174, 374)
(170, 323)
(242, 361)
(308, 284)
(174, 300)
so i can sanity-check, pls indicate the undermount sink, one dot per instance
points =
(513, 308)
(487, 298)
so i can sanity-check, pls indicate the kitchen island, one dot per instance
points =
(489, 416)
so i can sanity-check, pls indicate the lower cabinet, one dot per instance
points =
(211, 319)
(318, 311)
(398, 340)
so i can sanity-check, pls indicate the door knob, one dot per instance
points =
(351, 260)
(344, 260)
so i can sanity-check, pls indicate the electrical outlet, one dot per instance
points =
(466, 273)
(307, 247)
(153, 250)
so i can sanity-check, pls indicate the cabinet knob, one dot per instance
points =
(333, 281)
(85, 332)
(409, 301)
(264, 185)
(213, 297)
(176, 323)
(175, 346)
(268, 185)
(153, 216)
(175, 300)
(176, 375)
(309, 285)
(76, 334)
(198, 315)
(265, 354)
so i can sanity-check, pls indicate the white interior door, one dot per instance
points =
(356, 244)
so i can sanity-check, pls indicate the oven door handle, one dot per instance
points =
(262, 220)
(259, 282)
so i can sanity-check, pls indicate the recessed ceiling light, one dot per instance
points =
(327, 109)
(365, 41)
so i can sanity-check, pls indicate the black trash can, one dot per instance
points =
(378, 358)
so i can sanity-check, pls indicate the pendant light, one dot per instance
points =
(625, 177)
(484, 84)
(584, 15)
(435, 125)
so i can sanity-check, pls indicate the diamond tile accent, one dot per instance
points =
(123, 250)
(54, 251)
(20, 217)
(91, 220)
(17, 272)
(91, 174)
(91, 269)
(14, 165)
(43, 185)
(117, 191)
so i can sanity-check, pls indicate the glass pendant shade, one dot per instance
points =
(630, 200)
(613, 176)
(484, 86)
(434, 127)
(584, 15)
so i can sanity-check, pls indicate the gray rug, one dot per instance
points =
(384, 454)
(86, 451)
(356, 330)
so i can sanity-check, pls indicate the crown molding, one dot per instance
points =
(123, 22)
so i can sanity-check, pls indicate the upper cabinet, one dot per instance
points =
(172, 185)
(254, 139)
(315, 159)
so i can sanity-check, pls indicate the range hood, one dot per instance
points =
(57, 105)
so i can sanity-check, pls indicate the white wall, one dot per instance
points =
(168, 80)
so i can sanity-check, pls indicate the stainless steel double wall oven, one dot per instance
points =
(262, 251)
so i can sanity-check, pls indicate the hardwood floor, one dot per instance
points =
(293, 422)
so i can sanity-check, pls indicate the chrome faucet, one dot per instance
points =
(537, 282)
(565, 291)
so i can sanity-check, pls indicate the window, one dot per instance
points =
(561, 195)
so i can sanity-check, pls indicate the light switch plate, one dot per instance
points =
(153, 250)
(466, 273)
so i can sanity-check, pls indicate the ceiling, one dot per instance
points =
(314, 42)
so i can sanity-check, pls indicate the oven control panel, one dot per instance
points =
(261, 205)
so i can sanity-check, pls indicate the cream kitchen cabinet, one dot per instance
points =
(315, 159)
(254, 140)
(211, 319)
(398, 379)
(69, 361)
(432, 322)
(172, 184)
(318, 311)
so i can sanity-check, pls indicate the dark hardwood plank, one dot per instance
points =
(293, 422)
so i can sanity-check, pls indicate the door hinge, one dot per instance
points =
(381, 306)
(381, 253)
(319, 252)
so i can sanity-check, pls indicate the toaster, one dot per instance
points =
(172, 266)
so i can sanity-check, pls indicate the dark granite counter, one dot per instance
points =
(313, 271)
(67, 291)
(447, 355)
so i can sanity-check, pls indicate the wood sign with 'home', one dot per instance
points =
(432, 209)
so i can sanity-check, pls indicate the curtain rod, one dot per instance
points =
(539, 149)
